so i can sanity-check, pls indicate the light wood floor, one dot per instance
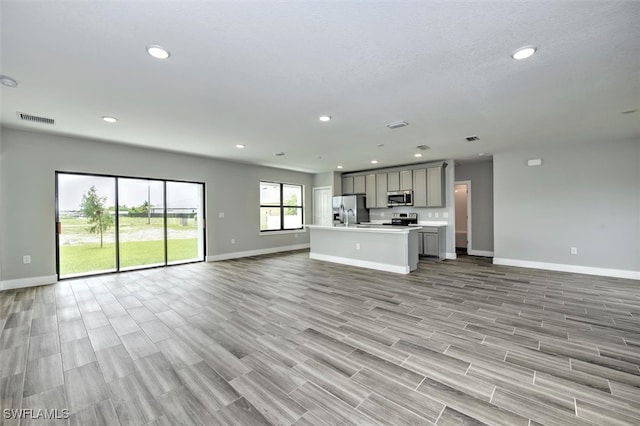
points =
(283, 340)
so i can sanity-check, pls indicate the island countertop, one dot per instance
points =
(383, 247)
(369, 227)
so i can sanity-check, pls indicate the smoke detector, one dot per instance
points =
(397, 124)
(7, 81)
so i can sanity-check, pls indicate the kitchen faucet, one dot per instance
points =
(347, 218)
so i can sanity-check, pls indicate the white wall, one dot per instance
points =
(585, 196)
(481, 176)
(28, 161)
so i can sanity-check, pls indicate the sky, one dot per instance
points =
(132, 192)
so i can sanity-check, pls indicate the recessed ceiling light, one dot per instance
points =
(325, 118)
(417, 155)
(374, 161)
(240, 146)
(339, 167)
(158, 52)
(523, 52)
(8, 81)
(280, 154)
(481, 154)
(109, 119)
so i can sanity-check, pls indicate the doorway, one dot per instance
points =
(323, 205)
(462, 191)
(111, 223)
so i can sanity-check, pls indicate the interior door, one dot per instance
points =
(322, 206)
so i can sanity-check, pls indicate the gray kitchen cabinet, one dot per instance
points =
(370, 187)
(435, 187)
(359, 184)
(381, 190)
(420, 188)
(432, 242)
(347, 185)
(406, 180)
(393, 181)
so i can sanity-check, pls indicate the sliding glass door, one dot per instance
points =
(110, 223)
(141, 228)
(185, 222)
(86, 219)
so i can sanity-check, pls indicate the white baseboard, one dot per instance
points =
(484, 253)
(451, 256)
(28, 282)
(239, 254)
(577, 269)
(361, 263)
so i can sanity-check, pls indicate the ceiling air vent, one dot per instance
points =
(397, 124)
(423, 147)
(35, 119)
(472, 138)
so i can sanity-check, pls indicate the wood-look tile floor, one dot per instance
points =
(283, 340)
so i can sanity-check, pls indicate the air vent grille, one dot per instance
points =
(35, 119)
(423, 147)
(472, 138)
(397, 124)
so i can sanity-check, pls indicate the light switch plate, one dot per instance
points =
(437, 214)
(574, 250)
(26, 259)
(220, 215)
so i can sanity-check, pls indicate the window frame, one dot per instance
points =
(282, 206)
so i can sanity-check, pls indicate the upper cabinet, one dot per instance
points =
(371, 199)
(359, 185)
(393, 181)
(427, 184)
(406, 180)
(347, 185)
(420, 188)
(435, 187)
(353, 185)
(381, 190)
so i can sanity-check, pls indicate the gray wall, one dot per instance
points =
(333, 179)
(28, 161)
(481, 177)
(585, 196)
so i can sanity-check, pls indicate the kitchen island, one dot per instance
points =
(386, 248)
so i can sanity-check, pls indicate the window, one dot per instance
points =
(280, 206)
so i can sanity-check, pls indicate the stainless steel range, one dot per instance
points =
(403, 219)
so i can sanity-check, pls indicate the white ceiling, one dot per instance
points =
(261, 73)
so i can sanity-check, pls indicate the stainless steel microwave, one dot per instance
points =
(399, 198)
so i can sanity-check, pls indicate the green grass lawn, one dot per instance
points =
(91, 258)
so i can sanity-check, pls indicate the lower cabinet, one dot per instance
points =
(432, 241)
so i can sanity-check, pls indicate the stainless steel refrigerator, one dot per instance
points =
(351, 208)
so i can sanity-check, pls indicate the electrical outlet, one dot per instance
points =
(445, 214)
(295, 236)
(26, 259)
(430, 214)
(220, 215)
(574, 250)
(437, 214)
(357, 246)
(233, 241)
(382, 214)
